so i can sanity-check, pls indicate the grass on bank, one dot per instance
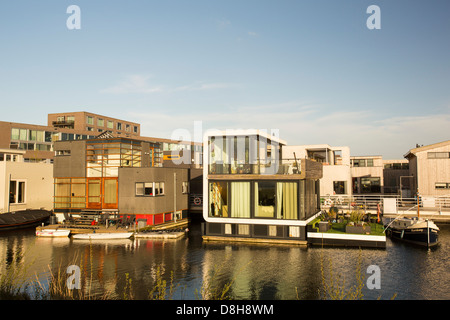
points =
(15, 284)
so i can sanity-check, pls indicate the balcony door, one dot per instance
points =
(102, 193)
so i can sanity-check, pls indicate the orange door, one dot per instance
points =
(110, 193)
(94, 193)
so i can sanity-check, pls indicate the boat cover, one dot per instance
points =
(22, 217)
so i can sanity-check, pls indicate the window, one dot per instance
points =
(32, 135)
(265, 194)
(240, 199)
(89, 129)
(359, 162)
(339, 187)
(287, 200)
(119, 126)
(442, 185)
(185, 187)
(362, 162)
(100, 122)
(90, 120)
(110, 124)
(149, 189)
(218, 199)
(16, 192)
(127, 127)
(438, 155)
(135, 129)
(62, 153)
(370, 185)
(15, 134)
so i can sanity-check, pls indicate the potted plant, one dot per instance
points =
(356, 224)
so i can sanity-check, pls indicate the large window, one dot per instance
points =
(339, 187)
(265, 194)
(16, 192)
(218, 199)
(240, 199)
(442, 185)
(243, 155)
(271, 199)
(370, 185)
(104, 158)
(70, 193)
(438, 155)
(150, 189)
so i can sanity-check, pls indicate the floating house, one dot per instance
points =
(119, 176)
(251, 194)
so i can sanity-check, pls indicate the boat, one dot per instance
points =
(103, 236)
(53, 233)
(414, 230)
(23, 219)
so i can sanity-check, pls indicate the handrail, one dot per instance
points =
(401, 215)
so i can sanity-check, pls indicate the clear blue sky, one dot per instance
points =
(311, 69)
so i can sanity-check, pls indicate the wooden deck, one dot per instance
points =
(79, 229)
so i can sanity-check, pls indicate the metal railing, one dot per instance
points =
(371, 202)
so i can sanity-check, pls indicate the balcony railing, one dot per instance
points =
(64, 123)
(274, 167)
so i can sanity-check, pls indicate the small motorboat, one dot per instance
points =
(414, 230)
(52, 233)
(103, 236)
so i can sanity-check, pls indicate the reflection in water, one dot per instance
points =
(256, 272)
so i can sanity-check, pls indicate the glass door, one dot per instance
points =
(94, 189)
(110, 187)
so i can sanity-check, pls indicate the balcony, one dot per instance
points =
(284, 169)
(64, 124)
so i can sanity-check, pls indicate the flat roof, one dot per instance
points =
(244, 132)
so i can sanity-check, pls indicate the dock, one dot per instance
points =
(169, 230)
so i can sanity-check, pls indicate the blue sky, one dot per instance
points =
(311, 69)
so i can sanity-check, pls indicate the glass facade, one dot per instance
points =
(280, 200)
(251, 154)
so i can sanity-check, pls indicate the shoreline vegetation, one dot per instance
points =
(16, 284)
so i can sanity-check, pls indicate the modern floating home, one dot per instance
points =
(118, 176)
(251, 194)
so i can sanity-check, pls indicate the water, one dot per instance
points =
(257, 272)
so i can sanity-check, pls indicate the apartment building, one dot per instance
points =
(93, 123)
(429, 168)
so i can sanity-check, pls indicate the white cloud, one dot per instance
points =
(133, 84)
(363, 131)
(140, 84)
(252, 34)
(223, 23)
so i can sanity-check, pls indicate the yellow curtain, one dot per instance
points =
(287, 202)
(240, 199)
(110, 191)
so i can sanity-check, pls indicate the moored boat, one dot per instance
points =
(103, 236)
(414, 230)
(53, 233)
(23, 219)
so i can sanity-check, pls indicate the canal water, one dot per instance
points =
(130, 268)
